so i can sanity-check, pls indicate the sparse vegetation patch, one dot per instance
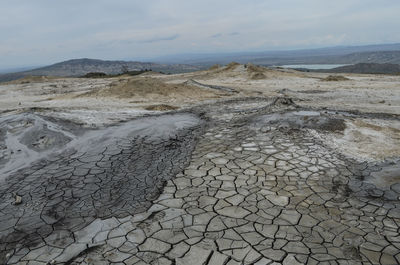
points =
(104, 75)
(335, 78)
(161, 107)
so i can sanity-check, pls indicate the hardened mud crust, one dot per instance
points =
(245, 183)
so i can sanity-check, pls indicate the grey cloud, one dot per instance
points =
(127, 28)
(216, 35)
(158, 39)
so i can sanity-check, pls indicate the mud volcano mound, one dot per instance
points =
(256, 72)
(151, 88)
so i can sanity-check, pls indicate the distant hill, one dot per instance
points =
(381, 57)
(384, 53)
(366, 68)
(80, 67)
(381, 54)
(351, 58)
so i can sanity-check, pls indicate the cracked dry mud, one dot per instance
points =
(239, 187)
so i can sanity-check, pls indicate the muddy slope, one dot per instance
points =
(106, 173)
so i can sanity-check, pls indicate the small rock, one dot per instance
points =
(18, 199)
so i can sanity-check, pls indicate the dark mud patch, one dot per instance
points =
(303, 119)
(333, 78)
(313, 91)
(333, 125)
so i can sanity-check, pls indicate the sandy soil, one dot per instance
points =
(368, 93)
(97, 102)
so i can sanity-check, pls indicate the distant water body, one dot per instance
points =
(313, 66)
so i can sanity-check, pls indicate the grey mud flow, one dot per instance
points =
(112, 172)
(246, 184)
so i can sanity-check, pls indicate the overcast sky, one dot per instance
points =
(37, 32)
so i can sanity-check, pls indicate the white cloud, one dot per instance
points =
(43, 31)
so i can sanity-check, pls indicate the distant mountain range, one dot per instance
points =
(80, 67)
(381, 57)
(385, 53)
(366, 68)
(371, 54)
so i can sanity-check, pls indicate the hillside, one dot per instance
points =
(79, 67)
(367, 68)
(385, 53)
(380, 57)
(351, 58)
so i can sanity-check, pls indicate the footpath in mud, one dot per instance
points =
(247, 183)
